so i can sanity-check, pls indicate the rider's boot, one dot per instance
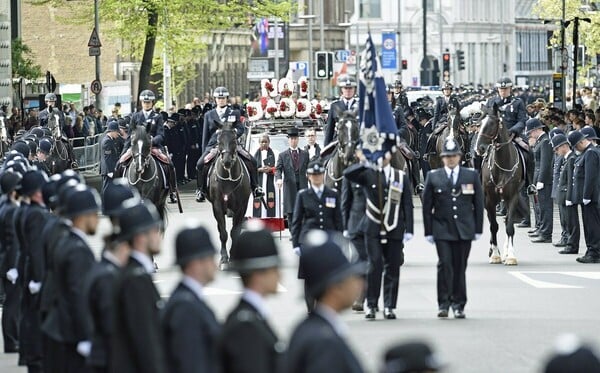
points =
(172, 183)
(429, 148)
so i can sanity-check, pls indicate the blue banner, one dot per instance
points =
(388, 50)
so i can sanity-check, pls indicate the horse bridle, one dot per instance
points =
(496, 146)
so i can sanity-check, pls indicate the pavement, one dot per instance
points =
(513, 314)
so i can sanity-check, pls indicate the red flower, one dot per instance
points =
(319, 109)
(286, 92)
(282, 106)
(304, 86)
(301, 106)
(271, 109)
(251, 111)
(269, 86)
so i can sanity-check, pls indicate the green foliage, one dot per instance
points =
(22, 63)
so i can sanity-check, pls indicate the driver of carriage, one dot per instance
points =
(43, 117)
(213, 121)
(513, 112)
(347, 101)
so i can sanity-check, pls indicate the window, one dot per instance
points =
(430, 6)
(370, 8)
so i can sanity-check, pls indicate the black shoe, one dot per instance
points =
(540, 239)
(388, 313)
(258, 192)
(561, 243)
(534, 230)
(568, 250)
(443, 313)
(531, 190)
(524, 224)
(358, 306)
(370, 315)
(199, 196)
(588, 259)
(459, 314)
(534, 234)
(172, 198)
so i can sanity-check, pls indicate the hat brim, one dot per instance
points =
(562, 143)
(82, 212)
(200, 255)
(254, 264)
(534, 128)
(450, 154)
(350, 269)
(123, 236)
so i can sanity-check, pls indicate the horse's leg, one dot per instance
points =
(491, 200)
(510, 258)
(237, 220)
(219, 214)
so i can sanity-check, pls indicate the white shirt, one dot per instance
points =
(449, 171)
(111, 258)
(348, 103)
(312, 150)
(332, 318)
(221, 111)
(79, 233)
(194, 286)
(144, 260)
(257, 301)
(566, 155)
(146, 113)
(318, 191)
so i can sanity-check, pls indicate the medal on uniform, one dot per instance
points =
(231, 119)
(330, 202)
(467, 189)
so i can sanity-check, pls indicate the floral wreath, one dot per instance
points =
(303, 108)
(303, 86)
(287, 108)
(286, 87)
(272, 110)
(255, 111)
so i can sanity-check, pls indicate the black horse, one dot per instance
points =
(145, 173)
(61, 156)
(228, 187)
(343, 155)
(502, 178)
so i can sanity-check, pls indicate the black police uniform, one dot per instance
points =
(568, 214)
(335, 109)
(513, 113)
(109, 159)
(453, 215)
(385, 250)
(154, 124)
(44, 116)
(440, 109)
(11, 306)
(586, 186)
(294, 177)
(176, 140)
(542, 173)
(193, 129)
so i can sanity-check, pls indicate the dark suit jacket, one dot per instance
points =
(154, 126)
(248, 344)
(110, 155)
(191, 331)
(557, 162)
(353, 206)
(591, 186)
(315, 347)
(371, 180)
(312, 212)
(52, 236)
(335, 109)
(68, 320)
(440, 109)
(8, 240)
(317, 151)
(542, 153)
(565, 181)
(453, 212)
(212, 123)
(285, 170)
(137, 343)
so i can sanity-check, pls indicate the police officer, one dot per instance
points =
(193, 128)
(542, 179)
(442, 103)
(316, 207)
(568, 212)
(586, 192)
(318, 343)
(453, 217)
(247, 342)
(347, 85)
(110, 153)
(512, 109)
(213, 120)
(176, 140)
(67, 323)
(388, 224)
(51, 108)
(43, 151)
(189, 325)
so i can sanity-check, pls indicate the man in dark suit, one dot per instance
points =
(568, 211)
(316, 207)
(346, 102)
(312, 147)
(388, 224)
(189, 325)
(213, 120)
(291, 172)
(110, 153)
(137, 341)
(542, 179)
(248, 343)
(318, 343)
(67, 321)
(453, 217)
(586, 192)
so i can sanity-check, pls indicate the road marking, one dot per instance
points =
(542, 284)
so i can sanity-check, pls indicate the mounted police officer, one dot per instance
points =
(347, 101)
(213, 120)
(110, 153)
(440, 114)
(45, 115)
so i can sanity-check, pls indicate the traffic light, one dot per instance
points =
(446, 62)
(460, 55)
(324, 65)
(404, 64)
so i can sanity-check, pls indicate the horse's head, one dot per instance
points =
(227, 142)
(140, 147)
(347, 134)
(489, 128)
(53, 124)
(3, 133)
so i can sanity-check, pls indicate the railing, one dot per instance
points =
(87, 152)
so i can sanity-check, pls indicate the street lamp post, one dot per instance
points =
(311, 69)
(97, 58)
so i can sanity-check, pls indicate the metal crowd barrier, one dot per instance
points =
(87, 152)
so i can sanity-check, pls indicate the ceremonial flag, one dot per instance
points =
(378, 127)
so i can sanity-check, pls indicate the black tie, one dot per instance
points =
(348, 105)
(451, 176)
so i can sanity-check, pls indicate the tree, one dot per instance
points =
(177, 26)
(22, 64)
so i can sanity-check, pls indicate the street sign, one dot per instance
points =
(259, 75)
(94, 39)
(342, 55)
(94, 51)
(388, 52)
(96, 87)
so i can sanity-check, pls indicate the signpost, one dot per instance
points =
(388, 50)
(96, 87)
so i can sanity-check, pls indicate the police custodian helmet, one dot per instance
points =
(504, 82)
(346, 80)
(447, 85)
(221, 92)
(147, 96)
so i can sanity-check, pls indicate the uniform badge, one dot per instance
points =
(231, 118)
(330, 202)
(467, 189)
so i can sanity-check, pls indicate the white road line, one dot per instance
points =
(541, 284)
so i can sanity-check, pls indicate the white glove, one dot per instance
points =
(279, 183)
(407, 237)
(346, 234)
(110, 174)
(477, 236)
(297, 251)
(84, 348)
(568, 203)
(539, 186)
(34, 287)
(586, 201)
(430, 239)
(12, 275)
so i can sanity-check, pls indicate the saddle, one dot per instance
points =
(521, 143)
(407, 152)
(155, 152)
(440, 127)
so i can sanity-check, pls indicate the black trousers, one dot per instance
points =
(545, 207)
(384, 259)
(52, 351)
(179, 163)
(105, 181)
(192, 158)
(451, 268)
(569, 220)
(30, 332)
(591, 222)
(10, 316)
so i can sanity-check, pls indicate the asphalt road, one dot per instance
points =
(514, 313)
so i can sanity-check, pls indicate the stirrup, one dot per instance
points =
(258, 192)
